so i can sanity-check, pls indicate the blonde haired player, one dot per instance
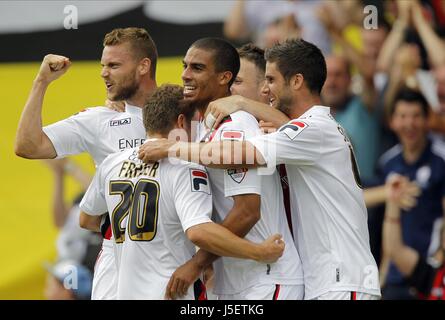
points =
(128, 69)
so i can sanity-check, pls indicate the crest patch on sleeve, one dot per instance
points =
(200, 181)
(293, 128)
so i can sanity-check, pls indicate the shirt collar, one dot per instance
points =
(133, 109)
(317, 109)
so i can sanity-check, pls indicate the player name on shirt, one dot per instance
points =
(131, 169)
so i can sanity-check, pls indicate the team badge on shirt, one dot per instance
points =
(237, 175)
(200, 181)
(293, 128)
(232, 135)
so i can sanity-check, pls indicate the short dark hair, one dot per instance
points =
(163, 107)
(413, 96)
(299, 56)
(254, 54)
(225, 56)
(141, 42)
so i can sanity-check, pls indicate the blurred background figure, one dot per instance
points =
(264, 22)
(76, 247)
(68, 280)
(424, 275)
(421, 159)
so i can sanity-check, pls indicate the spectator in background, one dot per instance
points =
(359, 119)
(335, 18)
(425, 274)
(280, 30)
(402, 60)
(421, 159)
(76, 247)
(68, 280)
(249, 20)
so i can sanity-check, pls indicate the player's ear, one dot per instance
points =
(225, 78)
(180, 122)
(144, 66)
(296, 82)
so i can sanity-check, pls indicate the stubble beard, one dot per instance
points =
(127, 91)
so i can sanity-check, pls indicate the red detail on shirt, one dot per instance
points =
(299, 124)
(438, 285)
(225, 120)
(286, 196)
(199, 174)
(108, 233)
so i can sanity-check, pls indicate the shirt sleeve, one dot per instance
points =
(298, 142)
(192, 196)
(242, 180)
(70, 136)
(93, 202)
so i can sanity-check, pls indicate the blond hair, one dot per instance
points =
(140, 40)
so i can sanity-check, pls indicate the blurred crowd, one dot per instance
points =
(70, 276)
(386, 86)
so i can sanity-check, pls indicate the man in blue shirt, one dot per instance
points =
(359, 115)
(422, 160)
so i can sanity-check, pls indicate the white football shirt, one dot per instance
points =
(99, 131)
(234, 275)
(330, 217)
(158, 202)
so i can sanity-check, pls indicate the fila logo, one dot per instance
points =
(120, 122)
(232, 135)
(293, 128)
(200, 181)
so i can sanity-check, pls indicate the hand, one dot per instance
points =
(52, 67)
(181, 280)
(401, 192)
(154, 150)
(221, 108)
(267, 127)
(118, 106)
(272, 249)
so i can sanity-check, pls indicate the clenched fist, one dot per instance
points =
(53, 66)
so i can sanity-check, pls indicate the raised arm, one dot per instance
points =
(395, 38)
(31, 142)
(434, 45)
(235, 27)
